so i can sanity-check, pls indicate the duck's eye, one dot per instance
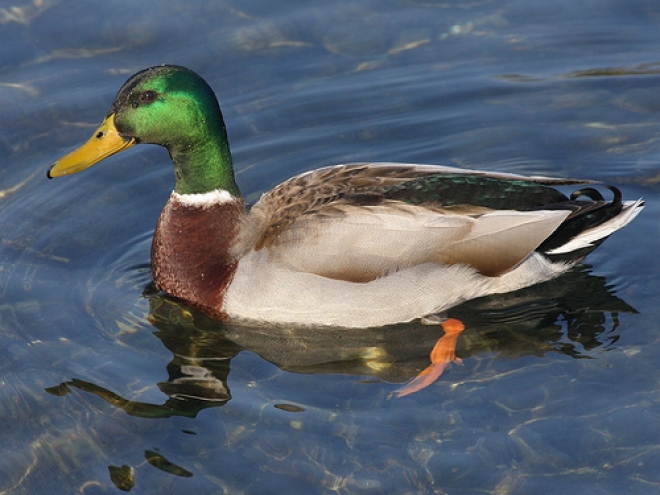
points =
(148, 96)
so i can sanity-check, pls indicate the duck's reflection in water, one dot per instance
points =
(575, 314)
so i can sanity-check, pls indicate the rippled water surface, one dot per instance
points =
(105, 386)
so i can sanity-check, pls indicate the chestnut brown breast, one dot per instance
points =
(190, 254)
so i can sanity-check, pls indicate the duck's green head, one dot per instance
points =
(175, 108)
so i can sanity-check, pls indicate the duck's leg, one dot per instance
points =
(442, 355)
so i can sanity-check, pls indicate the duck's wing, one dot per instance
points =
(369, 183)
(361, 221)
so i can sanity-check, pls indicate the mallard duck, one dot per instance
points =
(354, 245)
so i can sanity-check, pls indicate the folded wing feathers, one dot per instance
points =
(310, 191)
(502, 239)
(333, 222)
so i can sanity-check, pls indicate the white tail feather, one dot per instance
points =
(587, 238)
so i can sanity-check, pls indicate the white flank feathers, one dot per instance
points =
(378, 240)
(271, 292)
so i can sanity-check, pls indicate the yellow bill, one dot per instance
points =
(105, 142)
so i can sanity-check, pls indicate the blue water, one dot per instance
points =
(106, 386)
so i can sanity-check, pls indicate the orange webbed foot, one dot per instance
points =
(442, 355)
